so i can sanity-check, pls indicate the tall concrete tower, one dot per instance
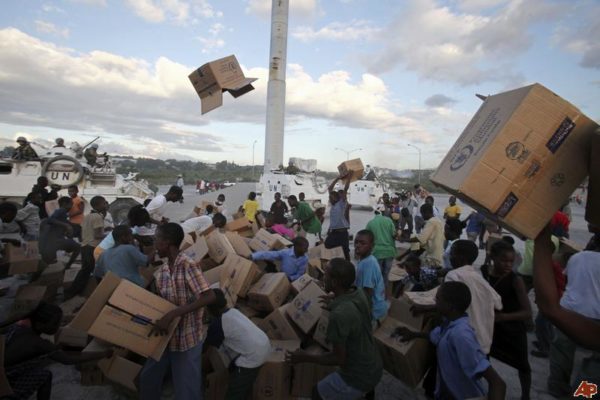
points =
(276, 89)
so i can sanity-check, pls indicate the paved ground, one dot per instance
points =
(66, 378)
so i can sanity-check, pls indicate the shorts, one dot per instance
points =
(333, 387)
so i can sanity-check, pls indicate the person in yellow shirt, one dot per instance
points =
(453, 210)
(250, 207)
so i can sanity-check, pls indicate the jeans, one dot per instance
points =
(337, 238)
(241, 382)
(88, 263)
(386, 265)
(544, 332)
(186, 370)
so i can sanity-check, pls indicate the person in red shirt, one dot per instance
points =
(560, 224)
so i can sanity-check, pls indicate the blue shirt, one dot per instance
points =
(460, 359)
(124, 261)
(475, 222)
(337, 218)
(368, 275)
(293, 266)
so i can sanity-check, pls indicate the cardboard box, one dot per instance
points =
(279, 326)
(239, 245)
(245, 309)
(22, 260)
(218, 246)
(226, 285)
(301, 283)
(198, 250)
(217, 377)
(187, 242)
(241, 271)
(213, 275)
(239, 225)
(200, 208)
(315, 269)
(269, 292)
(27, 298)
(120, 370)
(72, 337)
(275, 377)
(52, 276)
(306, 375)
(216, 77)
(91, 374)
(407, 361)
(306, 308)
(422, 298)
(520, 158)
(352, 169)
(320, 334)
(592, 207)
(122, 313)
(264, 241)
(568, 246)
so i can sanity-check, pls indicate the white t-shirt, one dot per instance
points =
(157, 207)
(582, 293)
(484, 300)
(196, 224)
(245, 339)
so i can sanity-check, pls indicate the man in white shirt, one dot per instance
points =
(582, 295)
(157, 207)
(197, 224)
(29, 217)
(419, 197)
(432, 237)
(241, 340)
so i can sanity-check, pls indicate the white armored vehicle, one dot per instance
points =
(65, 167)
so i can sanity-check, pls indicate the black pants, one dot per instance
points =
(241, 381)
(87, 267)
(339, 237)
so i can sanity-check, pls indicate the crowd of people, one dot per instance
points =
(483, 311)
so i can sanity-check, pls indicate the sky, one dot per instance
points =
(367, 77)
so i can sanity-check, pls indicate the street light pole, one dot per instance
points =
(253, 145)
(419, 150)
(347, 151)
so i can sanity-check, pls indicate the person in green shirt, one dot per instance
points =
(384, 231)
(349, 332)
(305, 216)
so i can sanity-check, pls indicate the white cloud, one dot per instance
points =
(340, 31)
(582, 38)
(298, 8)
(52, 8)
(90, 2)
(445, 45)
(212, 41)
(50, 28)
(180, 11)
(44, 85)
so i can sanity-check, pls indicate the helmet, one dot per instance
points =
(21, 139)
(94, 146)
(59, 141)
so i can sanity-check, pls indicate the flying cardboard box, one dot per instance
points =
(23, 259)
(241, 271)
(123, 314)
(592, 207)
(265, 241)
(352, 169)
(239, 245)
(197, 250)
(216, 77)
(306, 307)
(407, 361)
(279, 326)
(218, 246)
(306, 375)
(275, 377)
(269, 292)
(520, 158)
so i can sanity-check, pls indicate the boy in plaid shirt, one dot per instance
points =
(181, 282)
